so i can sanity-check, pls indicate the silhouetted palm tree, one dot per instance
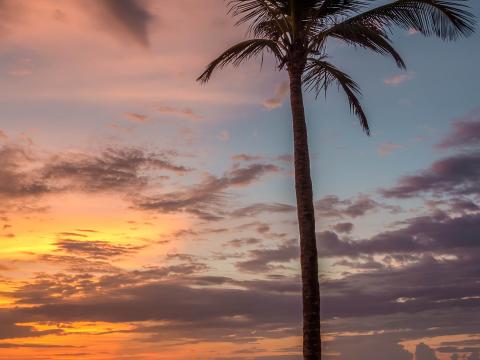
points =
(296, 33)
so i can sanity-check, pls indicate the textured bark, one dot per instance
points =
(306, 223)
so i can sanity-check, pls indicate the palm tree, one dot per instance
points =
(296, 33)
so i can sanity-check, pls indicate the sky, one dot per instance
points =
(146, 216)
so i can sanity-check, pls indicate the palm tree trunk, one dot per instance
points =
(306, 223)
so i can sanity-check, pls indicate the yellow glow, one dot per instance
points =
(79, 327)
(108, 217)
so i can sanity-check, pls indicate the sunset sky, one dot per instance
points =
(146, 216)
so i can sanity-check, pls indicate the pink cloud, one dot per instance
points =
(398, 79)
(465, 132)
(387, 148)
(224, 135)
(185, 112)
(3, 136)
(277, 100)
(135, 117)
(57, 35)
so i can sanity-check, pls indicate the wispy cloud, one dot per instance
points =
(224, 135)
(387, 148)
(398, 79)
(205, 198)
(277, 100)
(465, 132)
(3, 136)
(187, 113)
(136, 117)
(457, 174)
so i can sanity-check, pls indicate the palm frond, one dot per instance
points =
(271, 29)
(445, 19)
(239, 53)
(256, 12)
(362, 35)
(320, 75)
(339, 7)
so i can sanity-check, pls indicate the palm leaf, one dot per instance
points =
(320, 75)
(339, 7)
(239, 53)
(257, 12)
(363, 35)
(445, 19)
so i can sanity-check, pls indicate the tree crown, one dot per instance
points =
(296, 33)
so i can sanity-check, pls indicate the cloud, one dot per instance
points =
(246, 157)
(224, 135)
(3, 136)
(205, 198)
(258, 208)
(28, 177)
(424, 352)
(185, 112)
(333, 206)
(136, 117)
(95, 249)
(465, 132)
(343, 227)
(113, 169)
(226, 313)
(31, 345)
(417, 289)
(458, 174)
(425, 234)
(238, 243)
(261, 259)
(280, 92)
(398, 79)
(367, 348)
(387, 148)
(15, 180)
(9, 329)
(127, 18)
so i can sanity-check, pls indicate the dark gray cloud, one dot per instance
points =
(15, 180)
(262, 260)
(218, 312)
(59, 288)
(32, 345)
(428, 284)
(438, 233)
(333, 206)
(424, 352)
(343, 227)
(365, 347)
(24, 174)
(237, 243)
(458, 175)
(10, 330)
(205, 199)
(258, 208)
(95, 249)
(465, 132)
(77, 264)
(113, 169)
(467, 346)
(127, 17)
